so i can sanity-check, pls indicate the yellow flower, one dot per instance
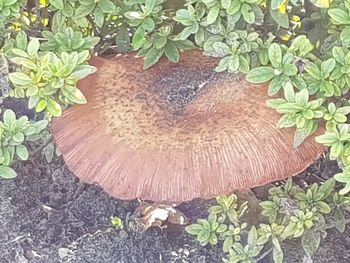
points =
(16, 26)
(282, 8)
(286, 36)
(42, 3)
(45, 21)
(296, 22)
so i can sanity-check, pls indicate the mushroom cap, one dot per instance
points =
(176, 131)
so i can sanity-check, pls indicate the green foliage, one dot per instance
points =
(234, 49)
(10, 8)
(48, 80)
(292, 212)
(338, 140)
(13, 134)
(207, 230)
(117, 222)
(67, 41)
(298, 111)
(281, 71)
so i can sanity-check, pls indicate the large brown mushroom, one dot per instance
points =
(176, 131)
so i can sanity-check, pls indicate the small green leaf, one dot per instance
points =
(74, 94)
(275, 55)
(310, 242)
(152, 57)
(213, 15)
(54, 108)
(22, 152)
(171, 52)
(84, 10)
(33, 47)
(9, 117)
(57, 3)
(203, 235)
(21, 40)
(313, 70)
(339, 16)
(260, 75)
(281, 19)
(99, 17)
(7, 172)
(19, 78)
(107, 6)
(248, 13)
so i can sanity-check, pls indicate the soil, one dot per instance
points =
(48, 215)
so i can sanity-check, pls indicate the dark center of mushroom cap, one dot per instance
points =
(177, 104)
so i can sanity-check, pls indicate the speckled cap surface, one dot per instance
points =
(176, 131)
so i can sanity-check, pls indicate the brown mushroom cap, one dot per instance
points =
(176, 131)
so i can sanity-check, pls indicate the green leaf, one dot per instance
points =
(277, 255)
(21, 40)
(122, 39)
(74, 94)
(68, 10)
(99, 17)
(54, 108)
(338, 54)
(57, 3)
(345, 36)
(33, 47)
(194, 229)
(327, 67)
(290, 70)
(274, 103)
(82, 71)
(9, 117)
(276, 4)
(275, 86)
(264, 56)
(213, 15)
(225, 3)
(228, 242)
(275, 55)
(310, 242)
(286, 121)
(321, 3)
(41, 105)
(248, 13)
(18, 137)
(152, 57)
(171, 52)
(327, 188)
(281, 19)
(223, 64)
(19, 78)
(313, 70)
(7, 172)
(22, 152)
(260, 74)
(339, 16)
(107, 6)
(84, 10)
(233, 63)
(221, 49)
(299, 136)
(203, 235)
(252, 237)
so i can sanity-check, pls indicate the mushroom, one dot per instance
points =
(176, 132)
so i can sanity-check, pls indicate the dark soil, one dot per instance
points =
(48, 216)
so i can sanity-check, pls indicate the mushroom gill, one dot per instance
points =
(176, 131)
